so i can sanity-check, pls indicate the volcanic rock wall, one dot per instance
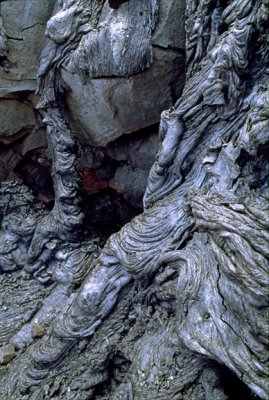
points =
(102, 104)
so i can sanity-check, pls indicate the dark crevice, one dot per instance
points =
(32, 26)
(116, 3)
(106, 212)
(14, 38)
(37, 178)
(217, 378)
(255, 169)
(170, 49)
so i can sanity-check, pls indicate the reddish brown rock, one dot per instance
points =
(7, 353)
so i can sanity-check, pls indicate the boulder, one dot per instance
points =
(101, 110)
(111, 101)
(24, 22)
(16, 119)
(22, 28)
(138, 149)
(170, 30)
(131, 183)
(119, 83)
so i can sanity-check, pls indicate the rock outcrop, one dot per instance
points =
(103, 104)
(173, 305)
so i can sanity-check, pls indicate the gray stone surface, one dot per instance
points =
(131, 183)
(108, 107)
(174, 303)
(135, 156)
(25, 23)
(21, 131)
(170, 30)
(11, 88)
(104, 109)
(139, 149)
(16, 119)
(125, 163)
(9, 159)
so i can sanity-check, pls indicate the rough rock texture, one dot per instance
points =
(24, 23)
(102, 109)
(174, 305)
(126, 97)
(16, 118)
(123, 165)
(23, 26)
(119, 43)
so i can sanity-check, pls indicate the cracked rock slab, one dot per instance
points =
(24, 23)
(103, 109)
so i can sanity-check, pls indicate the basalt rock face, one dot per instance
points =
(173, 305)
(113, 88)
(130, 41)
(22, 27)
